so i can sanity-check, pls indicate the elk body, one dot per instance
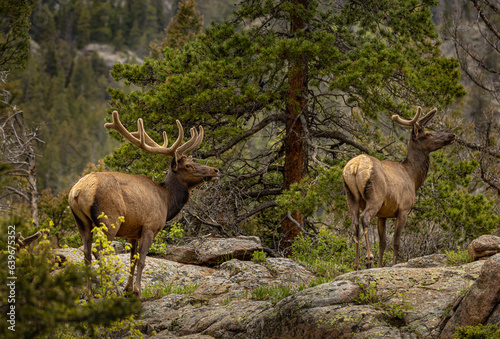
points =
(386, 189)
(144, 204)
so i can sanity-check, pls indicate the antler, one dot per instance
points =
(142, 140)
(415, 122)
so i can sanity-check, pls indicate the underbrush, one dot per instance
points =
(479, 332)
(327, 255)
(161, 289)
(51, 302)
(161, 241)
(458, 257)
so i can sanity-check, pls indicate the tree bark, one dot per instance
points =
(295, 143)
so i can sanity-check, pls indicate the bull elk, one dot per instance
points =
(386, 189)
(144, 204)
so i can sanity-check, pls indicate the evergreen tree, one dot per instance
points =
(296, 73)
(185, 26)
(14, 38)
(83, 25)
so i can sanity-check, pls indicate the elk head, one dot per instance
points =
(422, 139)
(183, 166)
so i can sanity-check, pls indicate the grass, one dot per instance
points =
(161, 289)
(458, 257)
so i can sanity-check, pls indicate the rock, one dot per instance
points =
(331, 311)
(221, 306)
(220, 321)
(433, 260)
(235, 278)
(109, 55)
(414, 300)
(480, 302)
(308, 314)
(484, 246)
(212, 251)
(156, 270)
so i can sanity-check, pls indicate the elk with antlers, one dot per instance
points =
(144, 204)
(386, 189)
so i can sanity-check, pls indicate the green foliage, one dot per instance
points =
(14, 37)
(175, 231)
(449, 198)
(327, 255)
(394, 311)
(108, 264)
(47, 302)
(323, 192)
(458, 257)
(259, 256)
(160, 289)
(160, 242)
(478, 332)
(275, 293)
(55, 215)
(367, 294)
(185, 26)
(234, 82)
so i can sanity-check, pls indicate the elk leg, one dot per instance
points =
(354, 212)
(400, 222)
(382, 240)
(355, 221)
(133, 251)
(86, 235)
(145, 243)
(366, 216)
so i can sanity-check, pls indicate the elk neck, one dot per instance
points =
(177, 194)
(417, 164)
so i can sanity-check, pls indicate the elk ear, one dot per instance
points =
(416, 128)
(175, 164)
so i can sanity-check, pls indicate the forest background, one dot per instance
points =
(229, 71)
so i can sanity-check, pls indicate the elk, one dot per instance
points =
(386, 189)
(144, 204)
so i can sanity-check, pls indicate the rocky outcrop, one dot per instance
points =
(109, 55)
(481, 302)
(423, 298)
(211, 251)
(405, 303)
(484, 246)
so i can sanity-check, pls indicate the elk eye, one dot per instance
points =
(188, 166)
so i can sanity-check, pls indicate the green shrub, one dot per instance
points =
(458, 257)
(394, 311)
(160, 242)
(161, 289)
(259, 256)
(478, 332)
(48, 303)
(327, 255)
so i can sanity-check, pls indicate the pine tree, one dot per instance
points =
(296, 74)
(14, 37)
(83, 25)
(185, 26)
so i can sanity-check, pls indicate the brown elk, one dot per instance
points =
(144, 204)
(386, 189)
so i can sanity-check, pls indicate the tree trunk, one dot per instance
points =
(295, 145)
